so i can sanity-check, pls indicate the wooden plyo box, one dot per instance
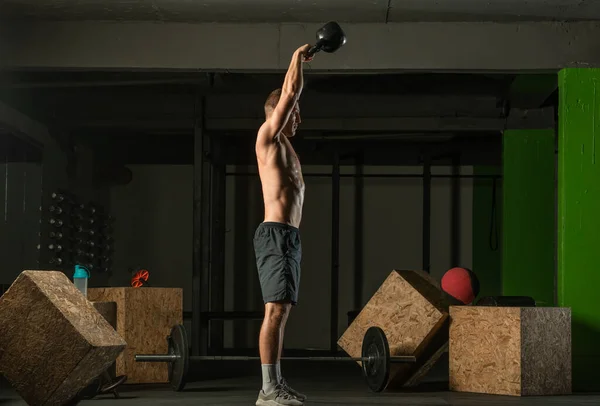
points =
(145, 317)
(410, 308)
(518, 351)
(53, 342)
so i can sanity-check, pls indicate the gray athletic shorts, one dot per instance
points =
(278, 251)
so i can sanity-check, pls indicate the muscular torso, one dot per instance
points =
(282, 182)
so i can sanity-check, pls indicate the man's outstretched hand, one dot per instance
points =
(303, 51)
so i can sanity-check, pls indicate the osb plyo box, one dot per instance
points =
(518, 351)
(410, 308)
(145, 317)
(53, 342)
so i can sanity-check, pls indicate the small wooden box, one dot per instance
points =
(518, 351)
(411, 309)
(145, 317)
(53, 342)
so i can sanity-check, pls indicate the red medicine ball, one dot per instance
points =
(462, 284)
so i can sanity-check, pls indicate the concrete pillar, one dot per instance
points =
(579, 217)
(528, 215)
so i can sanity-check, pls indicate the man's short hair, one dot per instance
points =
(272, 101)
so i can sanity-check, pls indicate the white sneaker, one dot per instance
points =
(300, 396)
(279, 397)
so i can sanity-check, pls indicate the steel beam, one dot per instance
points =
(335, 249)
(519, 120)
(200, 259)
(426, 220)
(217, 240)
(431, 46)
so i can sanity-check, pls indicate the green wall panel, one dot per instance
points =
(579, 217)
(529, 215)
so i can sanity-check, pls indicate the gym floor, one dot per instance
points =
(323, 383)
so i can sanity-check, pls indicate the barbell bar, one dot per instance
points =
(375, 358)
(197, 358)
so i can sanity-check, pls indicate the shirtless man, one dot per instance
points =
(277, 240)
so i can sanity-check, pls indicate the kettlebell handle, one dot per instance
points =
(315, 48)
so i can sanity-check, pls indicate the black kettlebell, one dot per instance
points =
(330, 38)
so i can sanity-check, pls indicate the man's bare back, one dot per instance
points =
(282, 183)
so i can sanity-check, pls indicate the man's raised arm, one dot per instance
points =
(290, 93)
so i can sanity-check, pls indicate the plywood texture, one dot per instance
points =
(53, 341)
(510, 350)
(410, 308)
(145, 317)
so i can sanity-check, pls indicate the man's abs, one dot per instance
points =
(283, 196)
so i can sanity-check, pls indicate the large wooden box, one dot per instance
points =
(145, 317)
(510, 350)
(53, 342)
(412, 311)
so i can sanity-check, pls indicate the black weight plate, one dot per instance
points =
(178, 369)
(376, 370)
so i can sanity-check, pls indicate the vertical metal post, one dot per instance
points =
(200, 276)
(455, 225)
(217, 241)
(243, 268)
(335, 247)
(358, 231)
(426, 211)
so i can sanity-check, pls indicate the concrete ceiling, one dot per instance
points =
(300, 10)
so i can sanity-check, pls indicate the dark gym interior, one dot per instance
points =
(142, 170)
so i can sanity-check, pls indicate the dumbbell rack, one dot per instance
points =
(78, 233)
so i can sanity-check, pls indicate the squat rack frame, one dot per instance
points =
(208, 285)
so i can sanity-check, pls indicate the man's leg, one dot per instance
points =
(270, 342)
(280, 353)
(273, 393)
(280, 379)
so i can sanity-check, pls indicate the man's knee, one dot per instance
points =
(277, 312)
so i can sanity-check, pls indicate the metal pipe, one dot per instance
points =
(426, 212)
(200, 276)
(335, 248)
(171, 358)
(101, 83)
(227, 315)
(380, 175)
(455, 230)
(358, 232)
(157, 358)
(217, 242)
(233, 315)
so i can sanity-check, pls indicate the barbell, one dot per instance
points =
(375, 358)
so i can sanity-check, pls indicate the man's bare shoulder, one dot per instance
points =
(266, 140)
(268, 133)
